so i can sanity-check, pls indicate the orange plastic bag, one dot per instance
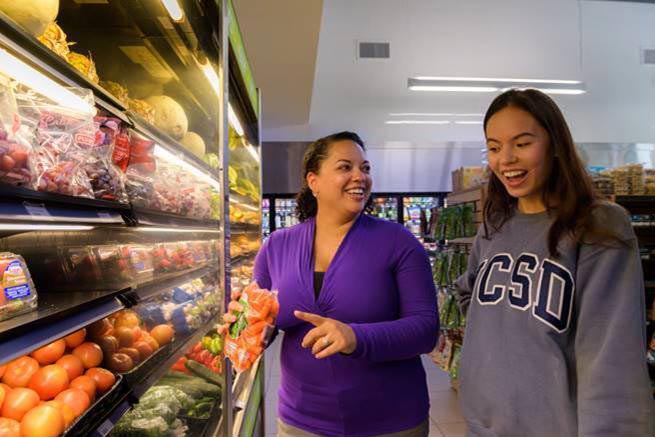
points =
(244, 341)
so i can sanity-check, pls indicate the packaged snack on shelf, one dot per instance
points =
(454, 364)
(141, 261)
(107, 180)
(18, 292)
(244, 341)
(64, 137)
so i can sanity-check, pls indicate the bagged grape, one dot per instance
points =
(16, 140)
(107, 180)
(63, 138)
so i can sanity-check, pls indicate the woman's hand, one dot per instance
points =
(329, 336)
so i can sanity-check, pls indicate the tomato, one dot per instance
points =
(2, 397)
(151, 341)
(145, 350)
(86, 384)
(2, 370)
(125, 336)
(127, 319)
(76, 399)
(72, 365)
(20, 371)
(131, 352)
(120, 363)
(9, 427)
(65, 411)
(89, 353)
(49, 381)
(104, 378)
(99, 328)
(137, 333)
(75, 339)
(42, 421)
(163, 334)
(50, 353)
(18, 402)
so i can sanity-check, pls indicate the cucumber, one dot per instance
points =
(203, 372)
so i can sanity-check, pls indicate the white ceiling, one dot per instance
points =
(598, 42)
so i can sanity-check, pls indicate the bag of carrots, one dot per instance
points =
(255, 311)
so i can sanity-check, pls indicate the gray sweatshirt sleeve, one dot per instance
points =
(613, 389)
(464, 284)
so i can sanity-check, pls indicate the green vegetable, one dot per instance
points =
(171, 396)
(153, 427)
(160, 410)
(193, 386)
(203, 372)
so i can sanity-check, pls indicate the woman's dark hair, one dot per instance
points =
(568, 191)
(316, 153)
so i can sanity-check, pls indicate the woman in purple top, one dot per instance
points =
(357, 306)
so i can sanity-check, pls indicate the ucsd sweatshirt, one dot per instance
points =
(555, 346)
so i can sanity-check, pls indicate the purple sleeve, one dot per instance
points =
(417, 328)
(261, 274)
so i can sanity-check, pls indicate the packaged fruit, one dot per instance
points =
(116, 269)
(64, 138)
(18, 294)
(244, 341)
(141, 261)
(107, 180)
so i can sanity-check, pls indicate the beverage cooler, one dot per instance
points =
(417, 211)
(130, 181)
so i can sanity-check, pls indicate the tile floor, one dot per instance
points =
(445, 417)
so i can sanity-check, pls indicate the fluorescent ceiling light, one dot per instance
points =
(42, 227)
(168, 156)
(419, 114)
(417, 122)
(174, 9)
(484, 85)
(156, 229)
(39, 82)
(234, 120)
(468, 122)
(501, 79)
(466, 89)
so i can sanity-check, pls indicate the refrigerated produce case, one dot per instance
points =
(129, 212)
(386, 207)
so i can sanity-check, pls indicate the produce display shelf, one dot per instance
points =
(85, 423)
(462, 240)
(243, 389)
(177, 349)
(58, 315)
(16, 38)
(244, 228)
(151, 217)
(164, 282)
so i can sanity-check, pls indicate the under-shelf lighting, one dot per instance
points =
(211, 76)
(234, 120)
(246, 206)
(174, 9)
(488, 85)
(13, 67)
(42, 227)
(251, 149)
(166, 155)
(179, 230)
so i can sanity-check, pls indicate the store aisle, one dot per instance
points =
(445, 417)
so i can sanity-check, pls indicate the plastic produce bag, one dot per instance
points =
(141, 171)
(64, 138)
(244, 341)
(16, 140)
(107, 180)
(18, 294)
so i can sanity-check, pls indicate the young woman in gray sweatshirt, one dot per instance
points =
(555, 339)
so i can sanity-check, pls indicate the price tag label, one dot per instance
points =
(105, 215)
(36, 210)
(105, 428)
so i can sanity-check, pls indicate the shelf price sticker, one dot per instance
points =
(36, 210)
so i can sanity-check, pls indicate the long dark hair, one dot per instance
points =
(316, 153)
(568, 192)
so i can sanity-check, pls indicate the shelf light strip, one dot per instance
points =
(234, 120)
(163, 153)
(179, 230)
(174, 10)
(13, 67)
(42, 227)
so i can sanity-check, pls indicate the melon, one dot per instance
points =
(169, 116)
(32, 15)
(194, 144)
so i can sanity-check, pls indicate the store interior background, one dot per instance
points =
(304, 56)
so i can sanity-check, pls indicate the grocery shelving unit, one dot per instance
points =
(200, 62)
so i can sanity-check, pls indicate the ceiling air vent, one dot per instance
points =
(373, 50)
(649, 56)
